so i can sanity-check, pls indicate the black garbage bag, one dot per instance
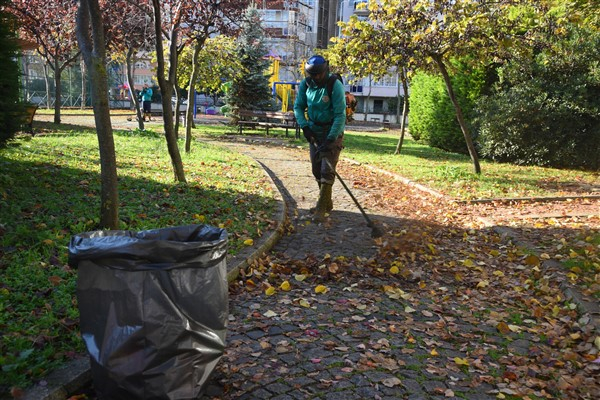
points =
(153, 309)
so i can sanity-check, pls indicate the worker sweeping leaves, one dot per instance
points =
(321, 113)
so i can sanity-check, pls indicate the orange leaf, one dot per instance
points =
(532, 260)
(503, 328)
(55, 280)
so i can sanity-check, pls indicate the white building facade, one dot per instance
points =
(377, 98)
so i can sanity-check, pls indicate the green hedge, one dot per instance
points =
(432, 115)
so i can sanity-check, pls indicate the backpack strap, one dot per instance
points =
(331, 82)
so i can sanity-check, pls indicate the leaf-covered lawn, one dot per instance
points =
(49, 191)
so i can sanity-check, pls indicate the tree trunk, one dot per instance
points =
(177, 92)
(94, 54)
(189, 113)
(398, 79)
(136, 102)
(368, 99)
(83, 84)
(57, 92)
(25, 63)
(166, 87)
(47, 80)
(404, 113)
(459, 114)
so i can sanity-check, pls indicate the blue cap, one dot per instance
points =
(315, 65)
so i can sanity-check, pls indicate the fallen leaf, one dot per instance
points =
(270, 291)
(532, 260)
(248, 242)
(321, 289)
(503, 328)
(304, 303)
(285, 286)
(483, 284)
(391, 382)
(461, 361)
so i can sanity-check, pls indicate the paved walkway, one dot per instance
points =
(354, 341)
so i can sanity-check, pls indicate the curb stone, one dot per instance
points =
(77, 375)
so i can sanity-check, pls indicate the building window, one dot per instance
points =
(378, 106)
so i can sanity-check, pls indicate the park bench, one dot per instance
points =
(30, 111)
(253, 119)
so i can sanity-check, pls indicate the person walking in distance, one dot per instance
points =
(320, 110)
(146, 96)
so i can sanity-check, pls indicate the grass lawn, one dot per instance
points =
(49, 191)
(450, 173)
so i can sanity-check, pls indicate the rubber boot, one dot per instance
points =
(323, 202)
(313, 209)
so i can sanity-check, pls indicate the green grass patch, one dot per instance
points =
(49, 191)
(448, 173)
(452, 174)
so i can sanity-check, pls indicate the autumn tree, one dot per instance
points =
(90, 35)
(432, 33)
(215, 63)
(50, 24)
(364, 50)
(205, 19)
(168, 19)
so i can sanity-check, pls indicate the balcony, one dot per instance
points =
(360, 7)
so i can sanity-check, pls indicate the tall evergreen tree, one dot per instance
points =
(251, 89)
(10, 106)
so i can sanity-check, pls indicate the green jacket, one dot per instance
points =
(147, 94)
(320, 109)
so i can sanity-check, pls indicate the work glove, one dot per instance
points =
(308, 133)
(325, 146)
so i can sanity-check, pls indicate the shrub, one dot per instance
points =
(546, 110)
(433, 117)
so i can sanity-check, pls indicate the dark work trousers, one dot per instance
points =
(322, 171)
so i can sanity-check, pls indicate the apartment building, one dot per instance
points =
(297, 28)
